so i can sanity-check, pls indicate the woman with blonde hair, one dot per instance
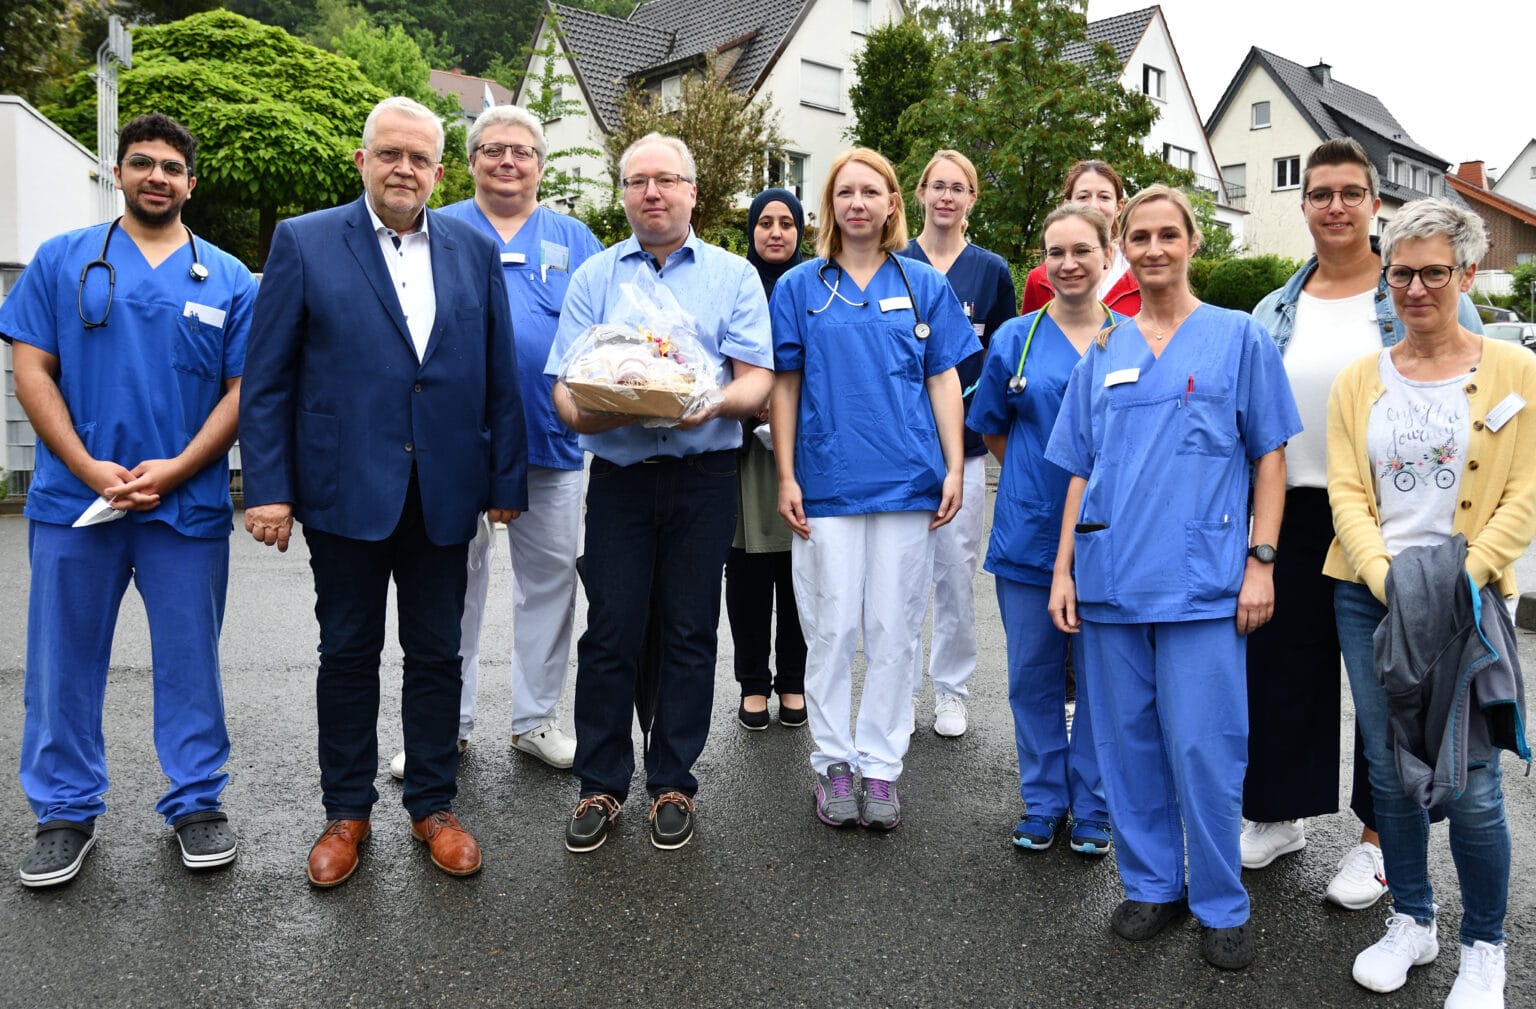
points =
(866, 421)
(947, 190)
(1157, 567)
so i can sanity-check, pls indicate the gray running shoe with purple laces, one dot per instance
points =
(837, 804)
(881, 809)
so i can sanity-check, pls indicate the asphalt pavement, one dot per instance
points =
(766, 907)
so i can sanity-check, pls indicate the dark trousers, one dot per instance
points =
(1293, 681)
(656, 540)
(351, 593)
(754, 583)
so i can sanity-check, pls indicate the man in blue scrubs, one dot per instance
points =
(661, 506)
(128, 341)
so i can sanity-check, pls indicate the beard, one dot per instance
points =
(149, 217)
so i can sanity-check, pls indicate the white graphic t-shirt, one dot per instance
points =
(1417, 440)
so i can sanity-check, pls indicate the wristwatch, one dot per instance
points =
(1263, 553)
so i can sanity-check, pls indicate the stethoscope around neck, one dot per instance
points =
(920, 329)
(1017, 382)
(198, 272)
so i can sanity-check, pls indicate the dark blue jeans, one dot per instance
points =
(657, 537)
(1480, 843)
(351, 593)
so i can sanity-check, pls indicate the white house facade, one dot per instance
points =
(1518, 181)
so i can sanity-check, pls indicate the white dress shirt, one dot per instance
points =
(409, 258)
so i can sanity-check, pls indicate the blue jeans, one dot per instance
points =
(1480, 842)
(658, 534)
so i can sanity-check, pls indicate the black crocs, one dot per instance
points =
(206, 838)
(1138, 920)
(58, 853)
(1227, 948)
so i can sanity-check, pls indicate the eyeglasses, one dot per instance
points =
(146, 164)
(939, 188)
(391, 156)
(1057, 254)
(1322, 199)
(665, 181)
(1433, 277)
(521, 153)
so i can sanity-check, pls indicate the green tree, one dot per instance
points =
(727, 133)
(1524, 289)
(38, 39)
(546, 101)
(894, 71)
(1023, 112)
(1241, 283)
(277, 120)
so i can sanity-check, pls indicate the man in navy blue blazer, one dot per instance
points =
(380, 409)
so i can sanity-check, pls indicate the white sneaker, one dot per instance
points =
(948, 715)
(1361, 879)
(397, 762)
(1262, 843)
(548, 743)
(1384, 966)
(1480, 980)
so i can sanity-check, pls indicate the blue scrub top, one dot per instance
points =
(1031, 492)
(722, 292)
(551, 246)
(142, 386)
(865, 440)
(981, 281)
(1165, 445)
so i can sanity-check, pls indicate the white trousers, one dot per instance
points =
(956, 557)
(543, 543)
(866, 573)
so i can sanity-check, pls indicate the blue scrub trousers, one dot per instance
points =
(78, 580)
(1170, 714)
(1480, 842)
(1057, 775)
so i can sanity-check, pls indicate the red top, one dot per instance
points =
(1124, 297)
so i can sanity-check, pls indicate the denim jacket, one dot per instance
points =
(1277, 312)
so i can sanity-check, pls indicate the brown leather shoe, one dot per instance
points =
(334, 856)
(453, 849)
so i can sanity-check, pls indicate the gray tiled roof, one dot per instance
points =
(610, 52)
(1333, 111)
(1123, 32)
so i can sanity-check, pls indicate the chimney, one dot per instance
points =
(1471, 172)
(1323, 73)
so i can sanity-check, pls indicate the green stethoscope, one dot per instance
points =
(1017, 383)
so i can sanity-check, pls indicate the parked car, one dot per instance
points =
(1523, 333)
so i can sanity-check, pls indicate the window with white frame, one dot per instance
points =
(1236, 179)
(1400, 172)
(671, 92)
(1179, 157)
(1288, 173)
(861, 16)
(1418, 180)
(1153, 82)
(1259, 119)
(786, 170)
(821, 86)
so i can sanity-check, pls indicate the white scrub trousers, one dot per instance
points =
(869, 574)
(543, 543)
(956, 557)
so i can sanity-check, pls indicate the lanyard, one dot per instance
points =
(1017, 383)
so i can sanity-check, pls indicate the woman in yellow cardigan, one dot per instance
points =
(1427, 439)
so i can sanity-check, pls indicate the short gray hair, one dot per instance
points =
(406, 107)
(505, 115)
(690, 169)
(1437, 218)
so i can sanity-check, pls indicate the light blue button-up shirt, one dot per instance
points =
(722, 292)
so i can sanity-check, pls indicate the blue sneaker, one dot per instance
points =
(1091, 837)
(1036, 832)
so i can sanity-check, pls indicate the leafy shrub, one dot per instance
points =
(1241, 283)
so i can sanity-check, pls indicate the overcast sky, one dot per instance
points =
(1460, 82)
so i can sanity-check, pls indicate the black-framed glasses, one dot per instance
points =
(939, 188)
(665, 181)
(1434, 276)
(391, 156)
(1322, 199)
(146, 164)
(521, 153)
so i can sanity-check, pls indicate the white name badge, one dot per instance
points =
(513, 259)
(894, 304)
(215, 316)
(1507, 408)
(980, 328)
(1122, 376)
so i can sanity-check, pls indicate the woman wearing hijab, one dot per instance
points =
(757, 575)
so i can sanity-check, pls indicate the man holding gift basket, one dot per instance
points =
(663, 346)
